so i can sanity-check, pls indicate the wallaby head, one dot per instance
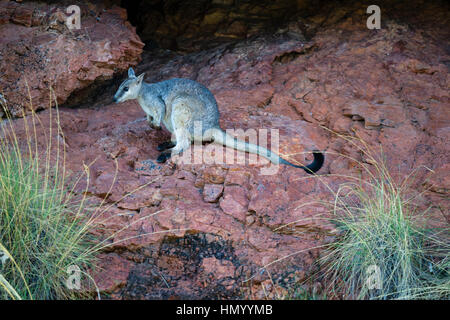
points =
(129, 89)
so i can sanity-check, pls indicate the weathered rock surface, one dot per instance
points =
(226, 230)
(193, 25)
(39, 52)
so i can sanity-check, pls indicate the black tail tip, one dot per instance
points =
(317, 163)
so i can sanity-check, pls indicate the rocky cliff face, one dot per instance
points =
(193, 25)
(38, 52)
(227, 231)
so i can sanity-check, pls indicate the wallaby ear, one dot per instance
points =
(140, 78)
(131, 73)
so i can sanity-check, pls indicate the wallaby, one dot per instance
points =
(178, 103)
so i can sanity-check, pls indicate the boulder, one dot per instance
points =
(42, 62)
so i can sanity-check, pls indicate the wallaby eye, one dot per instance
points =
(125, 89)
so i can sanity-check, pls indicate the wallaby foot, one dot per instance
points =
(163, 157)
(153, 126)
(165, 145)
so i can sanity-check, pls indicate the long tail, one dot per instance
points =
(221, 137)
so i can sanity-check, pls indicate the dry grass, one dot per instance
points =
(384, 249)
(43, 228)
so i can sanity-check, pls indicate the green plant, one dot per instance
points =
(43, 228)
(384, 249)
(301, 293)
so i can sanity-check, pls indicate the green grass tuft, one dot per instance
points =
(43, 229)
(384, 250)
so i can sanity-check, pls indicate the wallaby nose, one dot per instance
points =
(115, 99)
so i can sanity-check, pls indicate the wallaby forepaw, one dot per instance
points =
(165, 145)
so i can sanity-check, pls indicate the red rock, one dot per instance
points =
(23, 15)
(219, 268)
(212, 192)
(235, 202)
(118, 271)
(237, 177)
(141, 198)
(104, 183)
(342, 125)
(36, 59)
(180, 189)
(214, 175)
(439, 180)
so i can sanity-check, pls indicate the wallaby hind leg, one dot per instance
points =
(181, 123)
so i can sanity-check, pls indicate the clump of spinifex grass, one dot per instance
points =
(45, 227)
(42, 229)
(384, 249)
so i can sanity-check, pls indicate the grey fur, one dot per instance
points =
(178, 104)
